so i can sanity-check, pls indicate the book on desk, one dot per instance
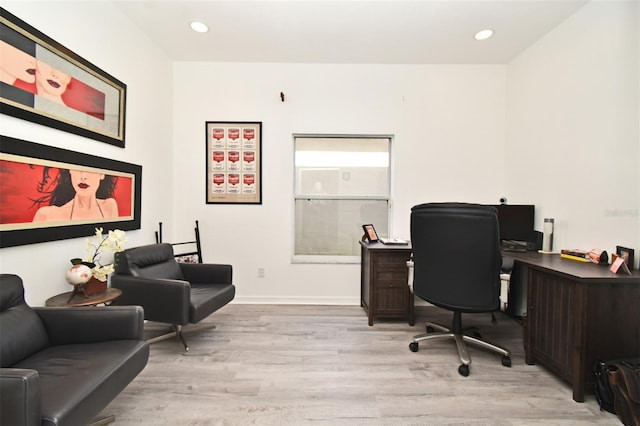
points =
(588, 256)
(575, 254)
(394, 241)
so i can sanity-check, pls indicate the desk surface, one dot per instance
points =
(552, 263)
(379, 246)
(555, 264)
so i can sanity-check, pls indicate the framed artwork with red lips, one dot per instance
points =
(49, 193)
(44, 82)
(234, 162)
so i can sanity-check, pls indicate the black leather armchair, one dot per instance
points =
(171, 292)
(457, 261)
(63, 366)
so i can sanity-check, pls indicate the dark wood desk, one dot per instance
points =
(578, 313)
(81, 300)
(384, 281)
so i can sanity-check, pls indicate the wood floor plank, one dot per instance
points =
(323, 365)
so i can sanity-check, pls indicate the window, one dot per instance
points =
(341, 182)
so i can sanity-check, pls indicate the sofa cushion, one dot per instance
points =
(208, 298)
(79, 380)
(21, 330)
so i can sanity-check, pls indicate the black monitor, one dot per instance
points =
(516, 221)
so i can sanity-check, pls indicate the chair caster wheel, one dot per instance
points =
(413, 346)
(506, 361)
(430, 329)
(463, 370)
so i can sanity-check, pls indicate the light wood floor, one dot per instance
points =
(301, 365)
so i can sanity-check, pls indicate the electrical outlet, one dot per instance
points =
(260, 272)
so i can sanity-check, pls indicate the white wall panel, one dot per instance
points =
(448, 124)
(98, 32)
(573, 130)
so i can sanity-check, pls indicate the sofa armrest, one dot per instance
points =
(92, 324)
(163, 300)
(207, 273)
(20, 402)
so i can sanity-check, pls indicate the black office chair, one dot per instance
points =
(457, 260)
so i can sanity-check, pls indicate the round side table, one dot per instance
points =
(79, 299)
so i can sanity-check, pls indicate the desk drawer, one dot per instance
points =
(392, 275)
(392, 260)
(384, 289)
(392, 301)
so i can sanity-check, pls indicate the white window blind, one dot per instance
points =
(341, 182)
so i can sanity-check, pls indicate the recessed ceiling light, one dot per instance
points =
(483, 35)
(199, 27)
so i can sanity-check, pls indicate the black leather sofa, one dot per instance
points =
(170, 292)
(63, 366)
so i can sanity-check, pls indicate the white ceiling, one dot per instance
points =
(347, 31)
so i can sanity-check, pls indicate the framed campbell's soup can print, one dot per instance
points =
(234, 162)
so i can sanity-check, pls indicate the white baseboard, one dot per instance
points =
(278, 300)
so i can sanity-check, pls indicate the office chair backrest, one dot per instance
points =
(150, 261)
(456, 254)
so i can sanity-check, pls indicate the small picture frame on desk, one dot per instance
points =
(370, 234)
(627, 254)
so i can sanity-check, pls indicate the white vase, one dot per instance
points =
(78, 274)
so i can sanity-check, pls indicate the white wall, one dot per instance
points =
(573, 139)
(568, 106)
(87, 28)
(449, 128)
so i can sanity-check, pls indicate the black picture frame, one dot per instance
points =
(233, 162)
(628, 255)
(34, 158)
(370, 233)
(83, 99)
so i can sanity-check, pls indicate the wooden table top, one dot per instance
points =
(79, 299)
(582, 271)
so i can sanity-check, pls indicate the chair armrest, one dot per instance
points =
(163, 300)
(207, 273)
(20, 402)
(92, 324)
